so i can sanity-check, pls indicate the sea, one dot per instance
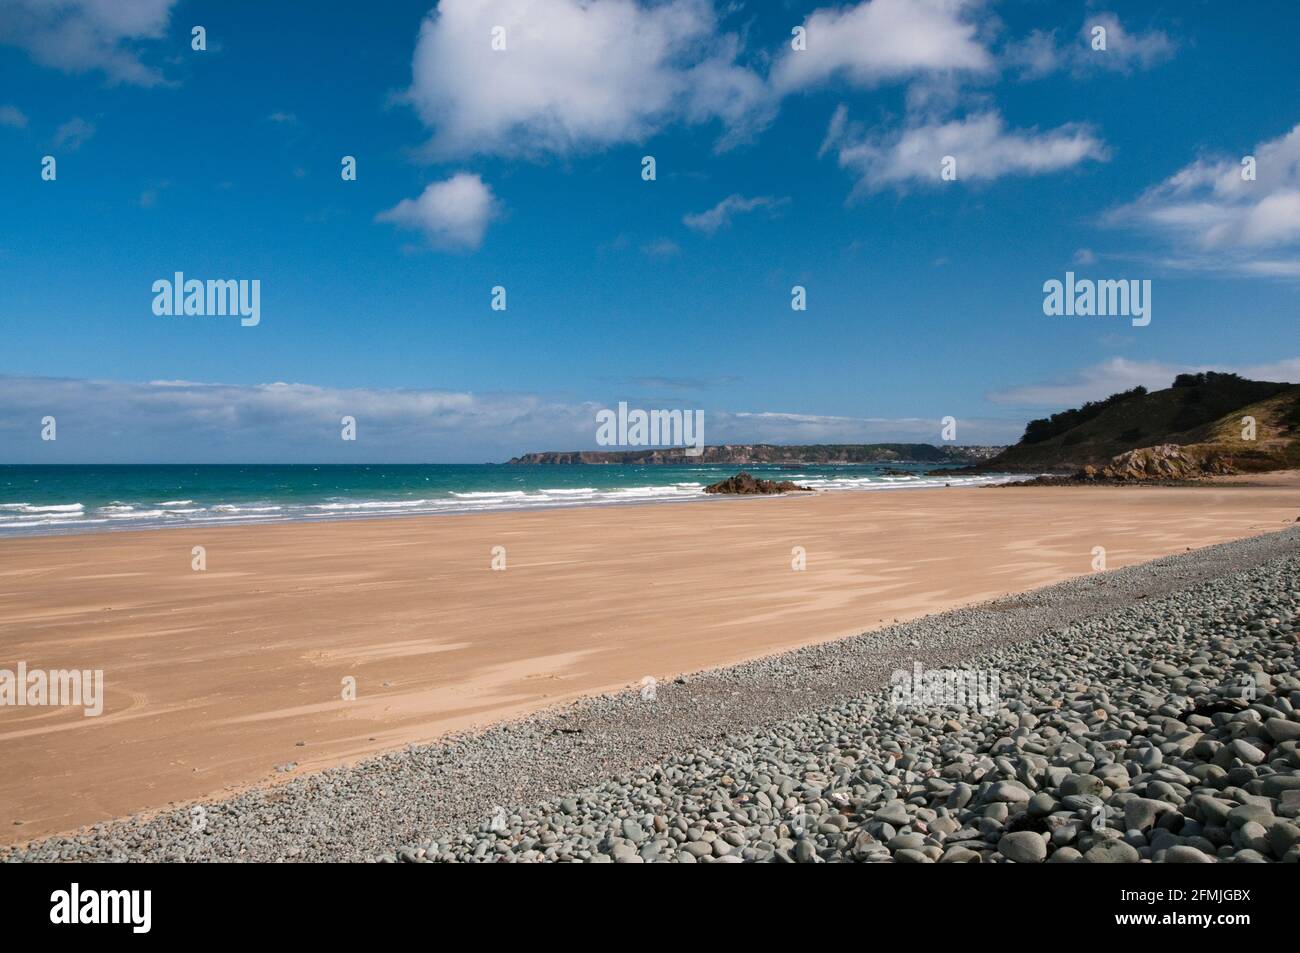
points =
(38, 500)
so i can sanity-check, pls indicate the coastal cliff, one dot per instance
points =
(771, 454)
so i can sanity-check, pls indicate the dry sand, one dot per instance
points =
(212, 677)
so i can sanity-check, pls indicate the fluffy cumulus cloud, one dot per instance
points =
(1118, 374)
(883, 40)
(981, 145)
(181, 421)
(575, 75)
(720, 215)
(1039, 53)
(936, 47)
(522, 78)
(452, 214)
(1214, 216)
(82, 35)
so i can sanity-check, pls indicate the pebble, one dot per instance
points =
(1119, 735)
(1023, 847)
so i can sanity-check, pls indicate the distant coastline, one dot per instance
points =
(754, 454)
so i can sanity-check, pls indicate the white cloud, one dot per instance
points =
(1119, 374)
(583, 75)
(74, 133)
(453, 214)
(1089, 383)
(12, 116)
(1038, 54)
(881, 40)
(1270, 268)
(183, 421)
(1215, 219)
(984, 149)
(80, 35)
(785, 428)
(721, 214)
(1124, 51)
(576, 75)
(1287, 369)
(109, 421)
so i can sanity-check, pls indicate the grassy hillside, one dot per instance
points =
(1277, 435)
(1201, 410)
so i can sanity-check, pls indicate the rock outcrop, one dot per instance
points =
(745, 483)
(1166, 461)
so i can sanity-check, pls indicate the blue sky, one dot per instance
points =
(522, 168)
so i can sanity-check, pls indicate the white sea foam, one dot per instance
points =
(371, 505)
(489, 494)
(136, 515)
(47, 522)
(29, 508)
(28, 518)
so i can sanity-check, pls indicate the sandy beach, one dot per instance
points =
(213, 678)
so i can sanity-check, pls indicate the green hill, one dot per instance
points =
(1201, 412)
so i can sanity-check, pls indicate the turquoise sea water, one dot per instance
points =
(71, 499)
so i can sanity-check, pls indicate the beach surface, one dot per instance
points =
(234, 676)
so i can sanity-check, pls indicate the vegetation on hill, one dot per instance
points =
(1045, 429)
(1203, 413)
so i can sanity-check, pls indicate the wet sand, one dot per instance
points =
(213, 677)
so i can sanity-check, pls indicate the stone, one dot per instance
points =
(1065, 855)
(1280, 729)
(1112, 852)
(1023, 847)
(1082, 784)
(1182, 854)
(1140, 813)
(912, 857)
(1008, 792)
(1246, 751)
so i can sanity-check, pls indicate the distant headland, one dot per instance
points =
(747, 454)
